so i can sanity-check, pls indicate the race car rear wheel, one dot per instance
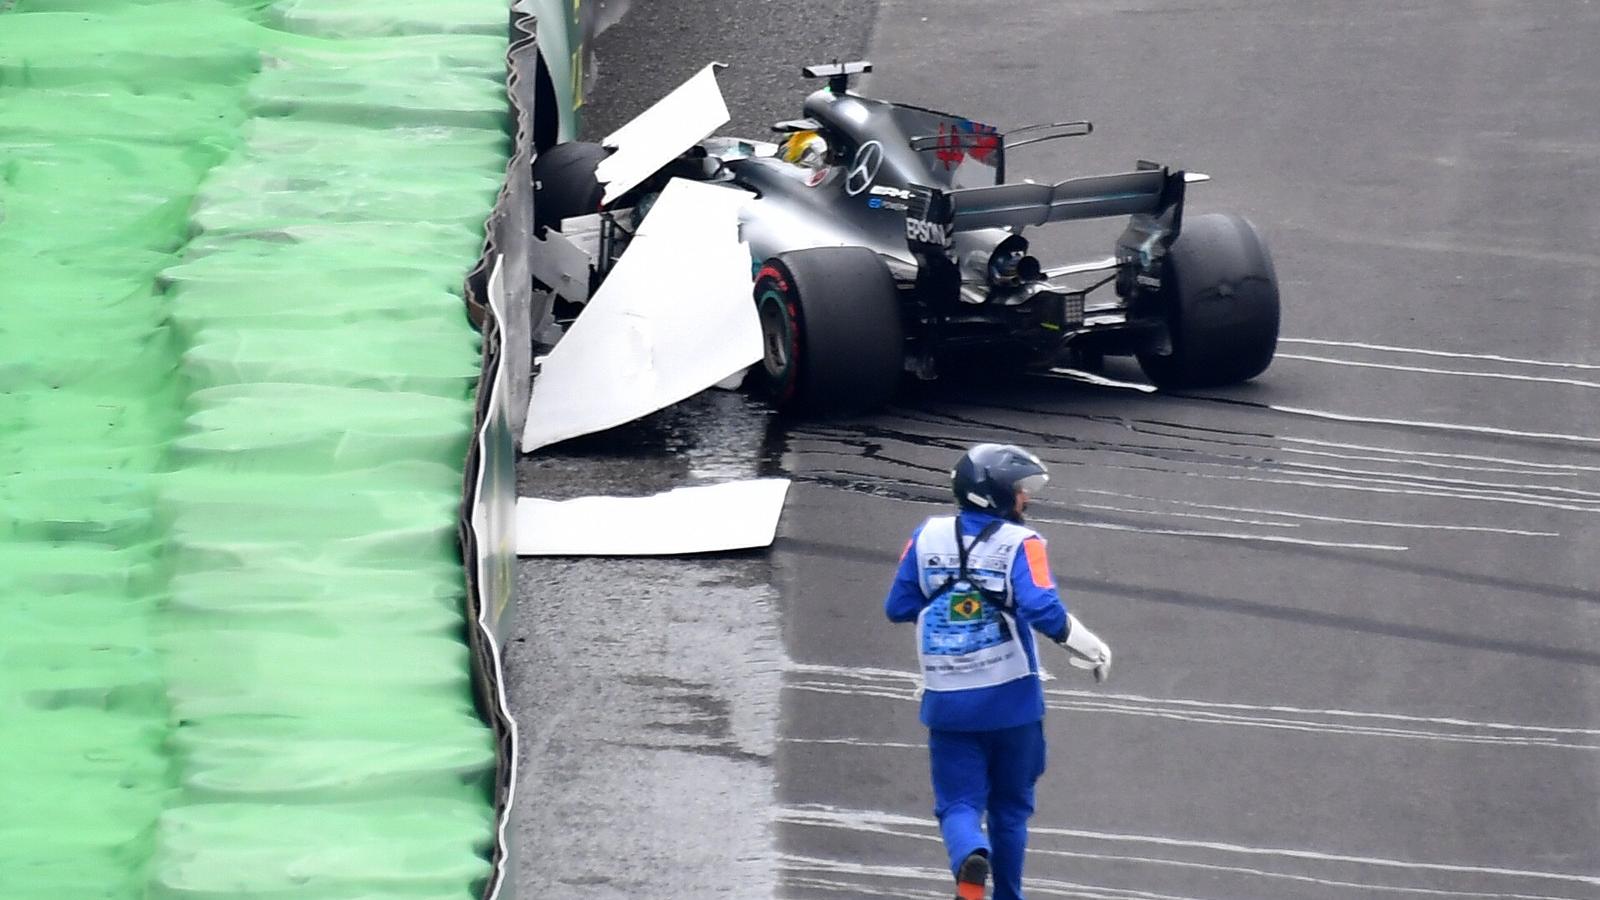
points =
(1221, 298)
(833, 343)
(564, 185)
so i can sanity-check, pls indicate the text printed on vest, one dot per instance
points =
(964, 639)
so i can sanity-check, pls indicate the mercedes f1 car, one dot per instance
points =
(885, 240)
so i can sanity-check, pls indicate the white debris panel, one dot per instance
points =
(736, 515)
(674, 317)
(658, 135)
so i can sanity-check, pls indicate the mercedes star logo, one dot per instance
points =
(864, 169)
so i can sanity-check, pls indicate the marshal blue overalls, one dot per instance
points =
(982, 699)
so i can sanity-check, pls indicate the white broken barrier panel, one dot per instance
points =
(736, 515)
(661, 133)
(674, 317)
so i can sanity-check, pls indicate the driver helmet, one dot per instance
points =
(989, 476)
(806, 148)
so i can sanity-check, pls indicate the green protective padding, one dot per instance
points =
(102, 145)
(307, 427)
(236, 384)
(363, 18)
(376, 848)
(391, 357)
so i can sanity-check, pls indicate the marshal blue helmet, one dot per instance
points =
(988, 477)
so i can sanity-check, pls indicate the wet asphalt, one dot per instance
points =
(648, 692)
(1355, 604)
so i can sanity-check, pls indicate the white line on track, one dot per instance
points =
(1426, 526)
(1225, 535)
(1177, 713)
(872, 821)
(918, 831)
(1210, 718)
(893, 684)
(1434, 426)
(852, 742)
(1399, 458)
(1448, 354)
(1420, 480)
(1337, 477)
(1390, 488)
(1563, 467)
(1453, 721)
(1365, 887)
(1426, 485)
(1035, 886)
(1229, 519)
(1427, 370)
(851, 888)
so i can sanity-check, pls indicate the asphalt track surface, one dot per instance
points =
(1355, 604)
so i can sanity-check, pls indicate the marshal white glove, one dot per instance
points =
(1085, 650)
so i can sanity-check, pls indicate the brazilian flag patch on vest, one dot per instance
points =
(965, 608)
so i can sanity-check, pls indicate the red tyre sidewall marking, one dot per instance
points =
(780, 280)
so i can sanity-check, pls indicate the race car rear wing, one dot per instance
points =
(1098, 196)
(1151, 195)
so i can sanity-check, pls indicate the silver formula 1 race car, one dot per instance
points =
(885, 240)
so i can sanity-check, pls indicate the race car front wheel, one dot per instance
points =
(832, 339)
(1221, 303)
(564, 185)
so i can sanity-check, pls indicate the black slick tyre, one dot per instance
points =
(1220, 294)
(833, 342)
(564, 185)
